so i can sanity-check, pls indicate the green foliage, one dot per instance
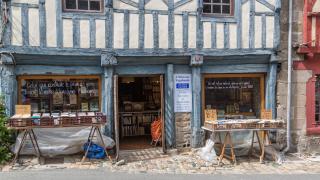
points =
(5, 135)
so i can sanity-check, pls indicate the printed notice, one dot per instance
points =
(182, 93)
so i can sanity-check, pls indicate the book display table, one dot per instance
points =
(27, 124)
(260, 129)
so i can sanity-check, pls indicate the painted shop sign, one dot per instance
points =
(182, 93)
(228, 84)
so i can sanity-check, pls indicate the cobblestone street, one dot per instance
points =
(188, 162)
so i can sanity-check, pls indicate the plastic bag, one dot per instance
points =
(59, 141)
(95, 151)
(208, 153)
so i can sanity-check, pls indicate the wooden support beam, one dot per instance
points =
(169, 107)
(196, 107)
(226, 36)
(126, 25)
(107, 96)
(264, 31)
(213, 35)
(59, 25)
(92, 33)
(252, 25)
(109, 28)
(155, 17)
(25, 25)
(76, 32)
(185, 24)
(42, 23)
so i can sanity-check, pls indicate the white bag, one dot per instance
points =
(208, 153)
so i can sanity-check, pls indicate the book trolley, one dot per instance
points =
(23, 121)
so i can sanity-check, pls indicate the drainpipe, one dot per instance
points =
(289, 80)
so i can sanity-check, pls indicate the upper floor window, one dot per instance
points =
(218, 7)
(83, 5)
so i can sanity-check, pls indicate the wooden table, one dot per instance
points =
(28, 126)
(263, 141)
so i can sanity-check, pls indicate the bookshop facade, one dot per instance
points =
(135, 92)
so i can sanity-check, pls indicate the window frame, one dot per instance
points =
(64, 8)
(221, 15)
(312, 129)
(262, 86)
(20, 78)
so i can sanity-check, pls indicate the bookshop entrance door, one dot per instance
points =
(139, 112)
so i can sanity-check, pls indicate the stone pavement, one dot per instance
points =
(187, 162)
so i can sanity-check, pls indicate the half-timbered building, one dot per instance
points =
(114, 52)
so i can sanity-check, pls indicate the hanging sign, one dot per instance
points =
(182, 93)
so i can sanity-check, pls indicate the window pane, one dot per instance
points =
(71, 4)
(47, 95)
(226, 1)
(216, 1)
(207, 8)
(226, 9)
(216, 9)
(233, 96)
(207, 1)
(83, 4)
(95, 5)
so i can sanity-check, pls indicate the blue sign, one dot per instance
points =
(182, 85)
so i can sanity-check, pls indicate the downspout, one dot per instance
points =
(289, 80)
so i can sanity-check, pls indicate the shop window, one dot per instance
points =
(218, 7)
(317, 103)
(83, 5)
(235, 97)
(60, 94)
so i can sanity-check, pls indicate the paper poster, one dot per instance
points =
(182, 93)
(210, 115)
(266, 114)
(58, 98)
(84, 107)
(73, 99)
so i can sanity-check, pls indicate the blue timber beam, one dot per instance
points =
(135, 52)
(169, 109)
(196, 137)
(107, 99)
(141, 24)
(8, 83)
(108, 62)
(271, 85)
(42, 24)
(25, 25)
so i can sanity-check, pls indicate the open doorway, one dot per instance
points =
(140, 105)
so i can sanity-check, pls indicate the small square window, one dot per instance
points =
(71, 4)
(95, 5)
(82, 5)
(218, 7)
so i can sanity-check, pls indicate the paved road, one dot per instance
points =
(103, 174)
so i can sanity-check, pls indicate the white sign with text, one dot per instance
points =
(182, 93)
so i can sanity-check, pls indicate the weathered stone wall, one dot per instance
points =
(183, 129)
(300, 141)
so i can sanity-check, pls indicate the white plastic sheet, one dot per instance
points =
(59, 141)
